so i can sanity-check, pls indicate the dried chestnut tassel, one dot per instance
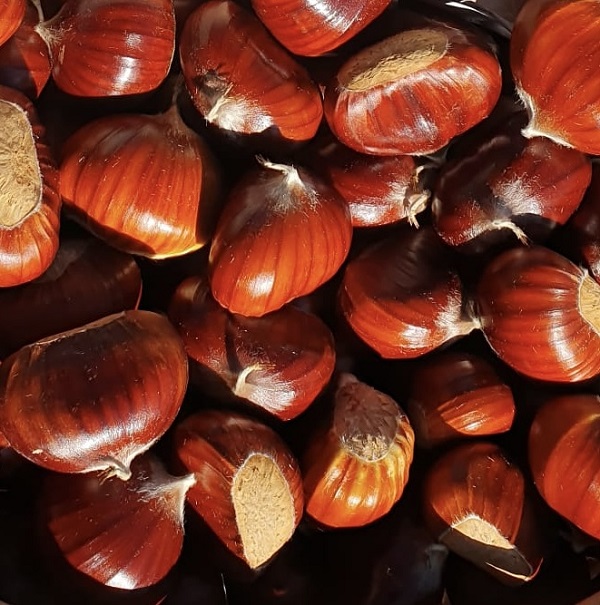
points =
(356, 468)
(123, 534)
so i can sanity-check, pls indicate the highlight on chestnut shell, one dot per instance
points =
(248, 486)
(355, 468)
(413, 92)
(93, 398)
(475, 502)
(122, 534)
(11, 13)
(279, 362)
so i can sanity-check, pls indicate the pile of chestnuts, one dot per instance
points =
(300, 302)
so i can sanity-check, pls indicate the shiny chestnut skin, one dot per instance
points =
(413, 92)
(508, 184)
(11, 15)
(456, 395)
(24, 58)
(93, 398)
(279, 362)
(123, 534)
(86, 281)
(243, 82)
(539, 313)
(273, 213)
(553, 48)
(402, 295)
(476, 502)
(146, 184)
(356, 467)
(564, 456)
(29, 197)
(311, 28)
(103, 48)
(248, 486)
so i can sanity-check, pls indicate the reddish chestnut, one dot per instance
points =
(411, 93)
(564, 455)
(25, 59)
(554, 49)
(403, 297)
(11, 15)
(279, 362)
(29, 198)
(476, 503)
(458, 395)
(123, 534)
(312, 28)
(533, 300)
(146, 184)
(242, 81)
(283, 233)
(103, 48)
(248, 486)
(86, 281)
(356, 468)
(93, 398)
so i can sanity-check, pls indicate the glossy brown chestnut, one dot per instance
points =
(564, 455)
(11, 15)
(403, 297)
(86, 281)
(93, 398)
(310, 28)
(455, 395)
(509, 183)
(411, 93)
(476, 502)
(103, 48)
(378, 190)
(283, 232)
(356, 468)
(147, 184)
(539, 313)
(123, 534)
(279, 362)
(24, 58)
(248, 486)
(29, 197)
(554, 49)
(242, 81)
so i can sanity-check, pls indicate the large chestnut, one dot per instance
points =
(11, 15)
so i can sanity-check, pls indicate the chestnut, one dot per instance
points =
(29, 198)
(248, 487)
(413, 92)
(355, 468)
(11, 15)
(279, 362)
(93, 398)
(476, 502)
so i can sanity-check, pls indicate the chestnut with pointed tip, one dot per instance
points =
(123, 534)
(279, 362)
(564, 456)
(355, 469)
(146, 184)
(29, 199)
(455, 395)
(553, 50)
(539, 313)
(413, 92)
(476, 502)
(403, 296)
(248, 487)
(103, 48)
(93, 398)
(312, 28)
(11, 15)
(283, 233)
(243, 82)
